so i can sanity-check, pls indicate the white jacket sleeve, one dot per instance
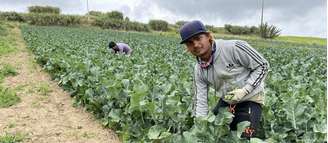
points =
(251, 59)
(201, 92)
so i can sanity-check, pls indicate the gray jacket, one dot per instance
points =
(235, 65)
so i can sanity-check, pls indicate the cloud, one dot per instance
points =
(301, 17)
(236, 9)
(309, 24)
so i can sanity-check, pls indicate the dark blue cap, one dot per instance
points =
(191, 29)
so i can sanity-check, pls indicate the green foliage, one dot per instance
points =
(95, 13)
(11, 16)
(5, 47)
(210, 28)
(115, 20)
(44, 9)
(8, 97)
(53, 19)
(147, 97)
(136, 26)
(109, 23)
(304, 40)
(254, 30)
(114, 15)
(11, 138)
(240, 30)
(158, 25)
(180, 23)
(7, 70)
(214, 29)
(7, 43)
(3, 29)
(269, 31)
(44, 89)
(120, 25)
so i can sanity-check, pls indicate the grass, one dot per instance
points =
(291, 39)
(11, 138)
(3, 28)
(5, 48)
(44, 89)
(8, 70)
(88, 135)
(7, 42)
(11, 125)
(223, 35)
(8, 97)
(36, 104)
(304, 40)
(20, 87)
(32, 64)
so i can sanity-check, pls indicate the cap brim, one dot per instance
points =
(199, 32)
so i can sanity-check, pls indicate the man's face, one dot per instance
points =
(116, 48)
(199, 45)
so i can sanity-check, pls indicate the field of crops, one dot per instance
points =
(147, 97)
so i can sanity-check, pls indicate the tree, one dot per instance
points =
(269, 31)
(115, 15)
(180, 23)
(159, 25)
(44, 9)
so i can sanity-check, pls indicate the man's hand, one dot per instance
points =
(236, 95)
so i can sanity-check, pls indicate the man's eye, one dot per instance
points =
(198, 38)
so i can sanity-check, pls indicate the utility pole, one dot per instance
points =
(88, 9)
(261, 27)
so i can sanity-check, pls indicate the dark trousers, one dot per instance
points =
(244, 111)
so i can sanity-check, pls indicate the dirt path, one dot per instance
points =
(45, 113)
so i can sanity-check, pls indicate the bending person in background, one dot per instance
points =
(121, 48)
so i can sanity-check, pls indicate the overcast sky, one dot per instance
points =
(294, 17)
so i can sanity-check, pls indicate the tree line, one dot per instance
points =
(48, 15)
